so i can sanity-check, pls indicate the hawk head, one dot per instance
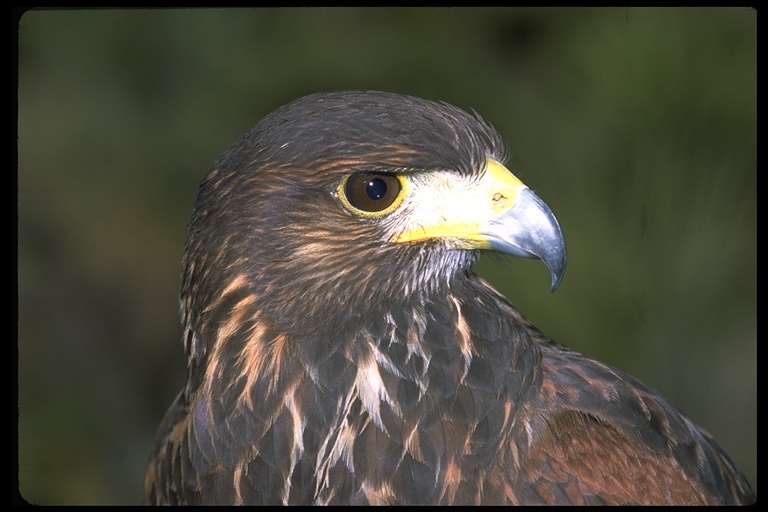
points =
(347, 199)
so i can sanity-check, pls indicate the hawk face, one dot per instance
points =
(359, 198)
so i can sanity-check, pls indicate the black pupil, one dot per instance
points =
(376, 188)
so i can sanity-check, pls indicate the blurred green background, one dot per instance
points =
(636, 126)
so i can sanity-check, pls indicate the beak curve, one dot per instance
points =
(495, 212)
(529, 229)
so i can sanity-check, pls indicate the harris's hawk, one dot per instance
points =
(341, 351)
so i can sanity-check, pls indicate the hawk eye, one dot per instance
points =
(372, 192)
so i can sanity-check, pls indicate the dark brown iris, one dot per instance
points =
(372, 192)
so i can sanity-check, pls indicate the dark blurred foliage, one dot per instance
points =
(637, 126)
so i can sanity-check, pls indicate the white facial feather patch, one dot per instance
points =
(434, 198)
